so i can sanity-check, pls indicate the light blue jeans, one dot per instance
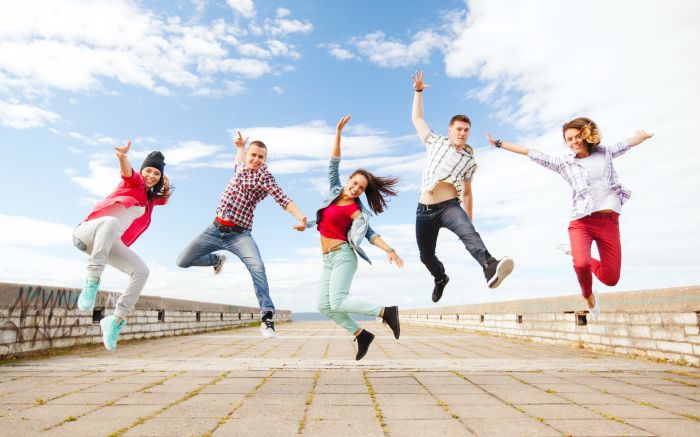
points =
(338, 270)
(199, 253)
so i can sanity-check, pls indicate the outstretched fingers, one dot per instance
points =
(123, 150)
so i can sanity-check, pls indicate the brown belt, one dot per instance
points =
(334, 248)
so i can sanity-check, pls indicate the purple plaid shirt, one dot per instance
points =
(244, 191)
(577, 177)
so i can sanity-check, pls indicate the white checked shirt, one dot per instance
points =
(446, 164)
(577, 177)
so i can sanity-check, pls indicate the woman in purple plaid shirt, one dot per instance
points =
(597, 200)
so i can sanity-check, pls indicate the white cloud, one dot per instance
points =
(244, 7)
(22, 116)
(278, 89)
(393, 53)
(187, 151)
(26, 231)
(285, 26)
(339, 52)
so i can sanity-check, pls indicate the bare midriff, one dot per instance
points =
(329, 243)
(442, 192)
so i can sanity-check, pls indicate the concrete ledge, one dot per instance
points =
(659, 324)
(35, 318)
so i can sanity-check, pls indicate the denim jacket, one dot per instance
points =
(360, 226)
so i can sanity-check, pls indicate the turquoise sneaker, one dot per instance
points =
(110, 331)
(86, 300)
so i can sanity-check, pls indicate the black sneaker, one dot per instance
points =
(439, 286)
(497, 270)
(391, 318)
(363, 341)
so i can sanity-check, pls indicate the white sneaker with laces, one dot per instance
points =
(267, 328)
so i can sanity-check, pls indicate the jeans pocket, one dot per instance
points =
(77, 242)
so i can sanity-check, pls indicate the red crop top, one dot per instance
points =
(336, 220)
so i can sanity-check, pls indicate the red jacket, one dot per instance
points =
(130, 191)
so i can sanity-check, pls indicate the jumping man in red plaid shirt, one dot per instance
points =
(251, 183)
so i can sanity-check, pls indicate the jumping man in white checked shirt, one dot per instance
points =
(231, 229)
(447, 177)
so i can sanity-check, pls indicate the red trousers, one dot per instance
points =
(604, 229)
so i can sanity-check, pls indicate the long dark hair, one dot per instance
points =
(378, 189)
(158, 192)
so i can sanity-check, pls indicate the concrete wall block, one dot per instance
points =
(675, 333)
(645, 318)
(691, 330)
(662, 355)
(693, 360)
(588, 338)
(639, 331)
(680, 318)
(644, 344)
(620, 341)
(673, 346)
(616, 331)
(596, 328)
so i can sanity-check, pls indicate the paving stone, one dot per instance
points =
(428, 427)
(596, 427)
(668, 427)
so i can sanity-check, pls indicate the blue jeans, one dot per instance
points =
(199, 253)
(452, 216)
(338, 270)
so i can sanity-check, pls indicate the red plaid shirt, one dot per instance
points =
(244, 191)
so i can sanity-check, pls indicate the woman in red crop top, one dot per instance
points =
(343, 223)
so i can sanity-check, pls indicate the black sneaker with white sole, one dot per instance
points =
(267, 327)
(497, 270)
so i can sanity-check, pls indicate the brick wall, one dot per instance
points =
(668, 331)
(34, 318)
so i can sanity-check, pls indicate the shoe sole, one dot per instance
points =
(104, 337)
(504, 268)
(267, 335)
(84, 308)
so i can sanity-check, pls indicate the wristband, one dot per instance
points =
(418, 91)
(390, 250)
(499, 143)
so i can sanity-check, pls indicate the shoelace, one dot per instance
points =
(269, 324)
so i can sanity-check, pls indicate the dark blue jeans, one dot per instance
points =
(448, 215)
(199, 253)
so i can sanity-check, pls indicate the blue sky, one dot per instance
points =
(78, 78)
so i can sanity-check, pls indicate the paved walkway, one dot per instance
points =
(306, 382)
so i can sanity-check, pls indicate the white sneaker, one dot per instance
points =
(564, 248)
(595, 311)
(268, 329)
(219, 264)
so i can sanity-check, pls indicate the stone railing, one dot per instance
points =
(35, 318)
(659, 324)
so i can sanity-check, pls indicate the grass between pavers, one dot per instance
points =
(141, 420)
(78, 348)
(309, 401)
(373, 395)
(247, 396)
(328, 346)
(682, 373)
(113, 401)
(92, 372)
(678, 381)
(439, 402)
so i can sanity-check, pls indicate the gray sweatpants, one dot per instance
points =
(101, 241)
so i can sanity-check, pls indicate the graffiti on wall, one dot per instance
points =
(32, 316)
